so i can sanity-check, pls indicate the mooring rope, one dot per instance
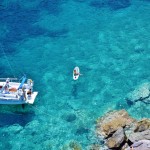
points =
(7, 60)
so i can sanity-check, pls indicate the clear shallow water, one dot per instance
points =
(46, 40)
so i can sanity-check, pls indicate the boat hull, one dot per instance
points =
(15, 101)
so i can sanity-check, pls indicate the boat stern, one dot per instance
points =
(30, 99)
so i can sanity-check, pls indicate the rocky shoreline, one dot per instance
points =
(119, 131)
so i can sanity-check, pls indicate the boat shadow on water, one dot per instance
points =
(7, 119)
(76, 89)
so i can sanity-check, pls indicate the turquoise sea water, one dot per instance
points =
(45, 39)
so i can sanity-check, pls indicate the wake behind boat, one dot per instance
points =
(13, 92)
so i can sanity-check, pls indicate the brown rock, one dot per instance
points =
(112, 121)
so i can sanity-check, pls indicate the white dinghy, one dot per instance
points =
(76, 73)
(13, 92)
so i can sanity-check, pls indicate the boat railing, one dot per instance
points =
(11, 79)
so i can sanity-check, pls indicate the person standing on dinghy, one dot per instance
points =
(76, 73)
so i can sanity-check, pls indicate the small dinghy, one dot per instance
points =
(76, 73)
(13, 92)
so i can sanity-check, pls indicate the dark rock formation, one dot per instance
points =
(70, 117)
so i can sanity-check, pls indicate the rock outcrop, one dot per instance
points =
(112, 121)
(119, 130)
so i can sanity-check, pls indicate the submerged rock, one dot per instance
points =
(141, 93)
(82, 130)
(75, 145)
(70, 117)
(72, 145)
(94, 147)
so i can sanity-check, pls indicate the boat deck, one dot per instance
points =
(12, 97)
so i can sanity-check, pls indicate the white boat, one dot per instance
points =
(13, 92)
(76, 73)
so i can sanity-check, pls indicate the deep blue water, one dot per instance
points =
(46, 39)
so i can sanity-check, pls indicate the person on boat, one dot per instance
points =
(7, 82)
(76, 73)
(29, 92)
(6, 87)
(24, 91)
